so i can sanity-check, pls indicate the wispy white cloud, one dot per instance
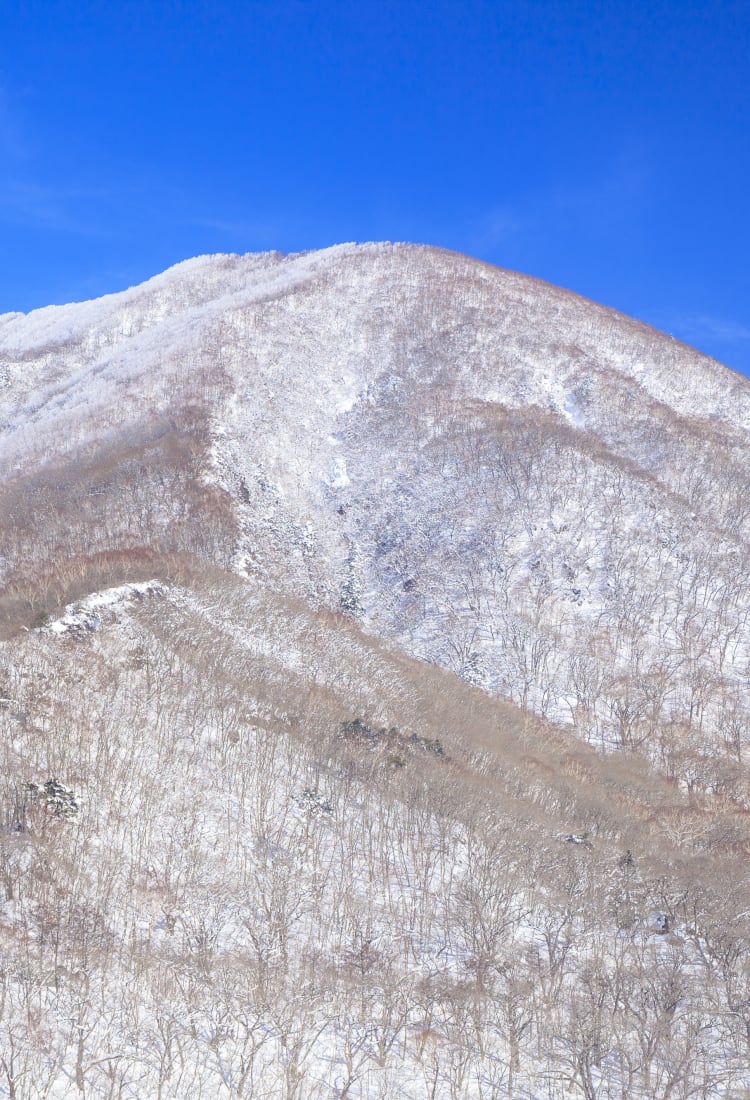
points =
(101, 207)
(497, 227)
(62, 209)
(39, 192)
(617, 195)
(240, 229)
(12, 146)
(706, 327)
(26, 198)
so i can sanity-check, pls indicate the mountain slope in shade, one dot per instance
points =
(494, 474)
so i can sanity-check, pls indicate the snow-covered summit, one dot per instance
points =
(529, 342)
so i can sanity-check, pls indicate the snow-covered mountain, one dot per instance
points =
(491, 473)
(324, 582)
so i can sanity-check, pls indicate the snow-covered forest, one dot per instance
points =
(373, 691)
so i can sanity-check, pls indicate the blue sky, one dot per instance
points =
(604, 147)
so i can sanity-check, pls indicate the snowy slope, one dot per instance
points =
(245, 851)
(315, 573)
(543, 495)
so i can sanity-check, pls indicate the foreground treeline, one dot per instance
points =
(276, 862)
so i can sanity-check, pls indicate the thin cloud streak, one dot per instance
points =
(12, 145)
(704, 326)
(600, 206)
(35, 205)
(239, 228)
